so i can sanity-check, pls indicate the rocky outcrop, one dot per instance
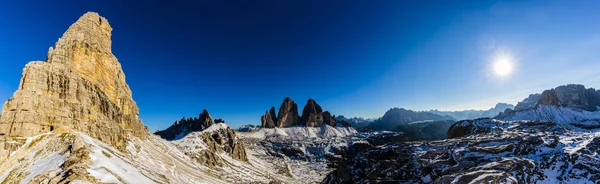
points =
(205, 146)
(312, 114)
(573, 96)
(528, 103)
(214, 133)
(182, 127)
(269, 120)
(206, 120)
(80, 86)
(328, 119)
(288, 114)
(222, 140)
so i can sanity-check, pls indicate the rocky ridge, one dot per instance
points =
(312, 116)
(569, 104)
(400, 116)
(80, 85)
(214, 133)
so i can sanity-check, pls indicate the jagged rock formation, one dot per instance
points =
(217, 139)
(182, 127)
(328, 119)
(269, 120)
(288, 114)
(80, 85)
(572, 96)
(312, 114)
(214, 133)
(570, 104)
(474, 114)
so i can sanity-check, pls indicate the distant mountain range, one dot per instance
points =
(357, 122)
(474, 114)
(400, 116)
(550, 137)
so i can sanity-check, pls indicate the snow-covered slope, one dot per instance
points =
(74, 156)
(303, 152)
(561, 115)
(301, 133)
(491, 152)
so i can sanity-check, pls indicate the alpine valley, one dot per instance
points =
(73, 120)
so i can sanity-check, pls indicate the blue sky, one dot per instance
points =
(356, 58)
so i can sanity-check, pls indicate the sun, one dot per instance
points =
(503, 66)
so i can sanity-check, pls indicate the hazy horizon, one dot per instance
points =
(355, 58)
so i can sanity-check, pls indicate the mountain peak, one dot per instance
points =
(80, 86)
(572, 95)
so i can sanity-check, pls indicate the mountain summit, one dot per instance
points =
(312, 116)
(80, 86)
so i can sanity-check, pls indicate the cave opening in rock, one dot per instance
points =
(51, 128)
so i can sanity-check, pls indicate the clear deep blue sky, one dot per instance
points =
(356, 58)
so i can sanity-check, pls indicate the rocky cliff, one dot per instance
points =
(573, 96)
(269, 119)
(215, 134)
(312, 116)
(569, 104)
(80, 86)
(288, 114)
(182, 127)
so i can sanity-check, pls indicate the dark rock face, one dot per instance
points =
(573, 96)
(399, 116)
(312, 114)
(328, 119)
(345, 123)
(288, 114)
(502, 152)
(269, 120)
(430, 130)
(471, 127)
(186, 125)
